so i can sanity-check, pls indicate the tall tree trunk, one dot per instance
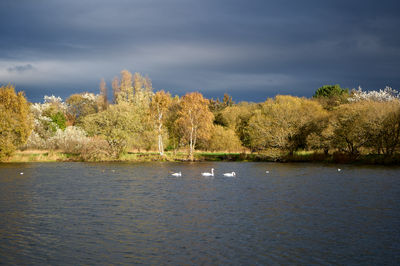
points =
(191, 145)
(160, 145)
(191, 138)
(160, 141)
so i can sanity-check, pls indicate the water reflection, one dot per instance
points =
(80, 213)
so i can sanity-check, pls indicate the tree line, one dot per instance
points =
(334, 120)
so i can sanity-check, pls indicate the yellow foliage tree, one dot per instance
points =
(115, 85)
(277, 124)
(159, 105)
(367, 124)
(15, 120)
(224, 139)
(195, 119)
(125, 93)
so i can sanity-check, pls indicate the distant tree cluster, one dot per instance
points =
(333, 120)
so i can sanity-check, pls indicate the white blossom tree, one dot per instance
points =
(383, 95)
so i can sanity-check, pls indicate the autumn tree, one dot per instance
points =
(81, 105)
(174, 132)
(103, 93)
(224, 139)
(319, 133)
(390, 132)
(138, 82)
(195, 119)
(349, 128)
(15, 120)
(159, 105)
(237, 117)
(143, 90)
(115, 84)
(217, 105)
(126, 90)
(278, 122)
(382, 126)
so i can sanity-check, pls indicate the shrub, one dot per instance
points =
(96, 149)
(224, 139)
(35, 142)
(70, 140)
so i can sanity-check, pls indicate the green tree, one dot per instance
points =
(331, 96)
(118, 124)
(59, 121)
(330, 91)
(15, 120)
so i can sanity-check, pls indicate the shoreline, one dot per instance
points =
(301, 157)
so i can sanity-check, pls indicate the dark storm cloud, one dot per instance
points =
(251, 49)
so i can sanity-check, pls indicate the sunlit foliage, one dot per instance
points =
(278, 122)
(15, 120)
(159, 106)
(81, 105)
(72, 140)
(195, 120)
(224, 139)
(333, 122)
(117, 124)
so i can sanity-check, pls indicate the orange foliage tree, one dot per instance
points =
(195, 119)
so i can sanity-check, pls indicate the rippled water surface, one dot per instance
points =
(81, 213)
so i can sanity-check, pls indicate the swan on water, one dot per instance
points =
(208, 174)
(267, 172)
(230, 174)
(177, 174)
(339, 169)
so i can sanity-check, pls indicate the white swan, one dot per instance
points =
(177, 174)
(230, 174)
(208, 174)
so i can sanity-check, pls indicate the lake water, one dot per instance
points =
(120, 213)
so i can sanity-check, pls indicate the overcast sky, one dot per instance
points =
(250, 49)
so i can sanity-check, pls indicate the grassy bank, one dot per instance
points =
(42, 156)
(271, 156)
